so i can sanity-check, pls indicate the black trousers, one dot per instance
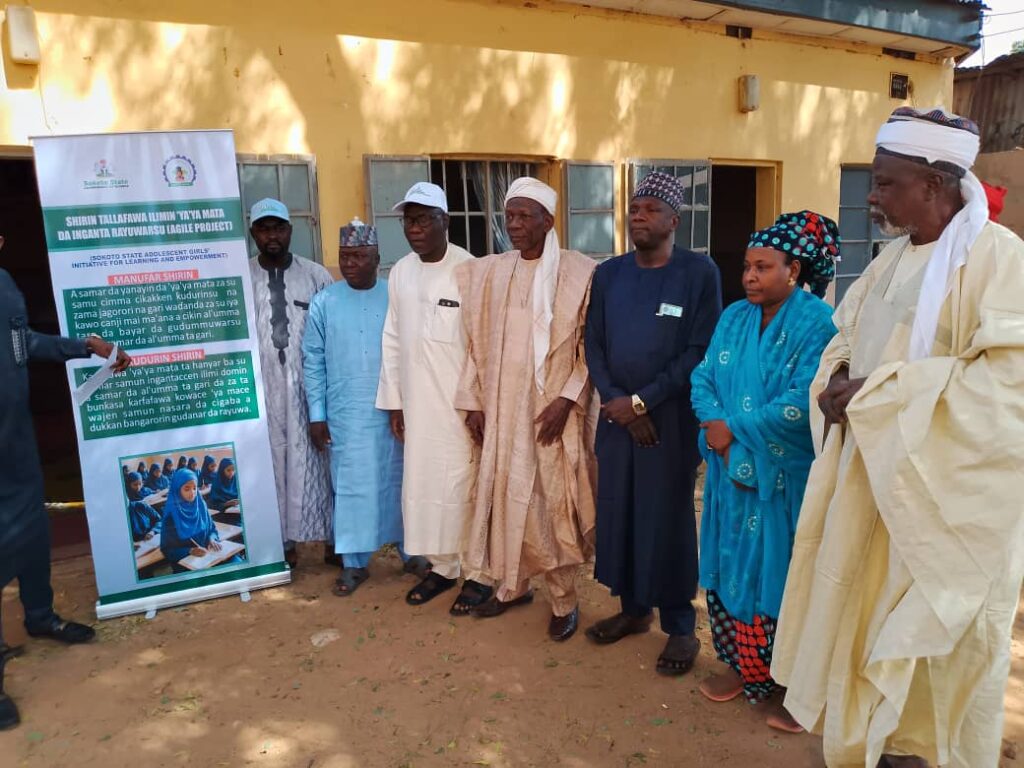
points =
(31, 567)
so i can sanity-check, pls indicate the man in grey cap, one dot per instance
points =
(283, 286)
(424, 350)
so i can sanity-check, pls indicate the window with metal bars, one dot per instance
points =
(476, 200)
(693, 231)
(292, 180)
(861, 238)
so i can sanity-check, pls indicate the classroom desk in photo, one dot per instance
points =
(148, 552)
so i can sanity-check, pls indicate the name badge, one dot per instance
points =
(669, 310)
(447, 303)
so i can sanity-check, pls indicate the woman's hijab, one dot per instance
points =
(224, 489)
(191, 518)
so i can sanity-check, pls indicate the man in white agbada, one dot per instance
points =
(424, 349)
(283, 285)
(894, 633)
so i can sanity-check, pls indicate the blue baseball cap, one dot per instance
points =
(268, 206)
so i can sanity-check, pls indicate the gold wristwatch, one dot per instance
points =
(639, 407)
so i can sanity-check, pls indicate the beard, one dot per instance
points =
(887, 228)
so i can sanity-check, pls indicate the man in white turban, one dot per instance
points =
(527, 398)
(894, 634)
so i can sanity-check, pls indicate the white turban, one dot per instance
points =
(938, 136)
(545, 279)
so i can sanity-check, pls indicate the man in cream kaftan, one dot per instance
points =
(527, 394)
(894, 632)
(424, 350)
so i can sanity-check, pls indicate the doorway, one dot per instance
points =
(734, 191)
(25, 257)
(745, 199)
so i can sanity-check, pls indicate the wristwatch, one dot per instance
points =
(639, 407)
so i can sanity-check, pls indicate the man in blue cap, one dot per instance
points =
(283, 287)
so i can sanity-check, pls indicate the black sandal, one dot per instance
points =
(614, 628)
(349, 581)
(495, 607)
(473, 594)
(431, 586)
(679, 654)
(418, 566)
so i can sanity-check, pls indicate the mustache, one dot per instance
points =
(887, 227)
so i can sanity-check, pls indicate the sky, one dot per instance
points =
(1003, 17)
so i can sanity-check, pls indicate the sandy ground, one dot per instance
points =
(298, 677)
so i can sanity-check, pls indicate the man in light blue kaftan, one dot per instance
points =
(342, 360)
(755, 379)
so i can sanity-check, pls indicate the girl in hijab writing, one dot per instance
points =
(188, 528)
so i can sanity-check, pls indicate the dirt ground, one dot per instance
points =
(300, 678)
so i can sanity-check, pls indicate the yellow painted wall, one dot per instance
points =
(346, 78)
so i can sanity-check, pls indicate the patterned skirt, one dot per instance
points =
(746, 648)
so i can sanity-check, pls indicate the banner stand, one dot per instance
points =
(153, 603)
(147, 243)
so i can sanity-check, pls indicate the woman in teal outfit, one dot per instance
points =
(751, 394)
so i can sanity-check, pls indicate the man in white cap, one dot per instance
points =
(424, 349)
(894, 633)
(526, 394)
(283, 286)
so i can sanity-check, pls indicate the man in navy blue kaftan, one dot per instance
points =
(652, 314)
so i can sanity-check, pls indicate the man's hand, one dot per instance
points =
(320, 435)
(619, 410)
(837, 395)
(475, 425)
(552, 420)
(98, 346)
(642, 430)
(396, 420)
(197, 552)
(214, 546)
(717, 435)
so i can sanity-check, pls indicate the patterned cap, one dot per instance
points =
(936, 115)
(356, 234)
(809, 237)
(663, 187)
(934, 137)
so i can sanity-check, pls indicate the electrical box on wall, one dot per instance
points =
(22, 35)
(750, 93)
(899, 86)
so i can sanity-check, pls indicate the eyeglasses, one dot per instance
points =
(420, 222)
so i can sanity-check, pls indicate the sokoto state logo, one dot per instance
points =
(104, 177)
(179, 171)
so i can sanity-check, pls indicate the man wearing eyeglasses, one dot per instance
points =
(283, 286)
(424, 350)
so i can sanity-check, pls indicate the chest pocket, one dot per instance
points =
(19, 340)
(445, 322)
